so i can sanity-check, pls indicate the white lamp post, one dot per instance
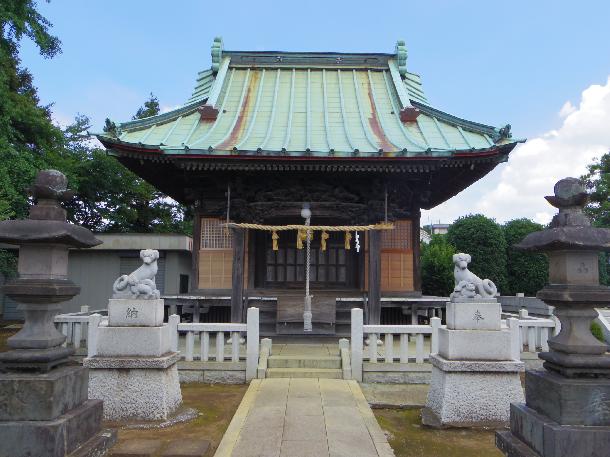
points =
(306, 214)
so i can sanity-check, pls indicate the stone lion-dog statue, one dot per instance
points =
(467, 284)
(139, 284)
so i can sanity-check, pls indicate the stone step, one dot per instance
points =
(326, 373)
(299, 361)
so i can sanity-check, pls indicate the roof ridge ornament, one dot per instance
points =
(217, 47)
(401, 57)
(504, 134)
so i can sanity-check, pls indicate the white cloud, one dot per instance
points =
(166, 108)
(517, 189)
(566, 109)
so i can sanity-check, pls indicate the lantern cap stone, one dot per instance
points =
(570, 229)
(47, 223)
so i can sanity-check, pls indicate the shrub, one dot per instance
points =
(483, 239)
(596, 329)
(437, 266)
(527, 272)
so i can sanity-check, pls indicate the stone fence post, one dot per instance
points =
(435, 323)
(252, 343)
(94, 323)
(173, 322)
(357, 338)
(515, 338)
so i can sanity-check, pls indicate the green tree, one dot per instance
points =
(483, 239)
(109, 197)
(437, 266)
(527, 272)
(151, 108)
(597, 181)
(26, 131)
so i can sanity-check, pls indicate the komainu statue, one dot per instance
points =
(140, 283)
(467, 284)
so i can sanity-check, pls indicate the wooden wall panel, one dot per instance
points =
(215, 268)
(397, 271)
(397, 258)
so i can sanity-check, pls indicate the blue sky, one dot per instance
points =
(492, 62)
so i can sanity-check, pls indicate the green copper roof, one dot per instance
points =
(315, 104)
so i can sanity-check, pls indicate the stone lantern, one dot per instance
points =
(43, 281)
(44, 409)
(567, 404)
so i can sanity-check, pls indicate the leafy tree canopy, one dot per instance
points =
(526, 272)
(597, 181)
(27, 134)
(483, 239)
(109, 197)
(150, 108)
(437, 266)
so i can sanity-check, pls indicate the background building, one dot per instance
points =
(96, 269)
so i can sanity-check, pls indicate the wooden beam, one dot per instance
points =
(237, 289)
(415, 228)
(374, 308)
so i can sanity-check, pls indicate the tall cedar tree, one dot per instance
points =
(483, 239)
(527, 272)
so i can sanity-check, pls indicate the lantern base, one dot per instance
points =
(41, 360)
(577, 365)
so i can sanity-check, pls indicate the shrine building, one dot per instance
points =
(352, 136)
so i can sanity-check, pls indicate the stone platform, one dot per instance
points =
(304, 417)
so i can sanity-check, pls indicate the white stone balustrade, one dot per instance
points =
(222, 332)
(534, 332)
(417, 333)
(75, 327)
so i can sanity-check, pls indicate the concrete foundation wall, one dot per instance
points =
(212, 372)
(396, 373)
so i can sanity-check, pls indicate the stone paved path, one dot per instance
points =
(304, 418)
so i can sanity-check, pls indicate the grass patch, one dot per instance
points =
(5, 334)
(409, 438)
(216, 402)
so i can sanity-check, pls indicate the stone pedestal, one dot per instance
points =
(49, 415)
(474, 378)
(134, 370)
(561, 417)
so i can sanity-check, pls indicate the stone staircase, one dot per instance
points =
(302, 366)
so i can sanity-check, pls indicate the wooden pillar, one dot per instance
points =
(237, 290)
(374, 314)
(415, 228)
(194, 282)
